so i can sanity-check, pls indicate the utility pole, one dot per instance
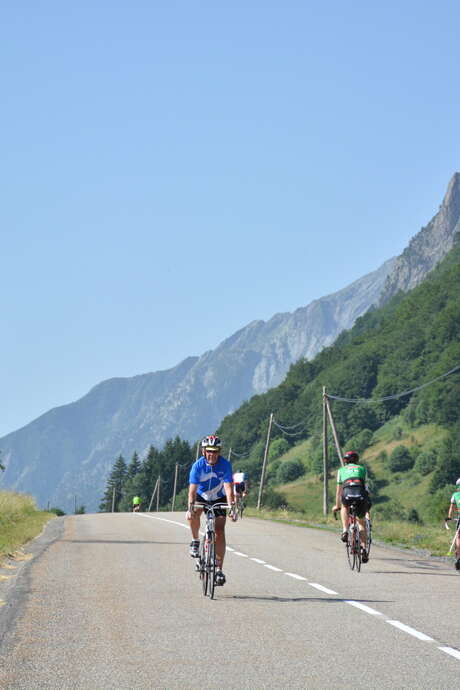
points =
(334, 431)
(198, 446)
(158, 493)
(325, 455)
(113, 500)
(153, 495)
(75, 503)
(229, 454)
(175, 485)
(262, 476)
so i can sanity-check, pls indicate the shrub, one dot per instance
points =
(400, 459)
(273, 499)
(277, 448)
(290, 470)
(426, 462)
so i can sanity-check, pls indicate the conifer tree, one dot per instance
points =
(115, 483)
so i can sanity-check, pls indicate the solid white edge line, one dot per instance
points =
(258, 560)
(363, 607)
(321, 588)
(410, 631)
(272, 567)
(229, 548)
(297, 577)
(238, 553)
(453, 652)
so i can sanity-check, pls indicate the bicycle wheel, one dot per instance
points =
(368, 524)
(240, 508)
(211, 567)
(357, 547)
(204, 575)
(349, 545)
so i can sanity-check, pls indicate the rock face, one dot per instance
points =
(428, 247)
(70, 450)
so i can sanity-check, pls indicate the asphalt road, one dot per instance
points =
(112, 601)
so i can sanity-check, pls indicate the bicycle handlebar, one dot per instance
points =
(212, 507)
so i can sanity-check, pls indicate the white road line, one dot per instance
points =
(272, 567)
(363, 607)
(297, 577)
(452, 652)
(238, 553)
(321, 588)
(258, 560)
(173, 522)
(410, 631)
(229, 548)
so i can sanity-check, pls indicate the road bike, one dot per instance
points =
(457, 529)
(239, 505)
(206, 563)
(353, 543)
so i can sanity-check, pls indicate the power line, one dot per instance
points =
(396, 395)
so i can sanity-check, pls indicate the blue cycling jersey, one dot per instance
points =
(211, 478)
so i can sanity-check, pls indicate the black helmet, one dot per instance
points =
(351, 456)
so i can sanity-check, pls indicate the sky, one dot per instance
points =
(172, 171)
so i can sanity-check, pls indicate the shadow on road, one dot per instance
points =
(287, 600)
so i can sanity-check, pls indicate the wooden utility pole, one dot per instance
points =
(262, 476)
(158, 493)
(175, 485)
(325, 456)
(113, 500)
(198, 446)
(153, 495)
(334, 430)
(229, 454)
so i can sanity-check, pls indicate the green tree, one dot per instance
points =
(278, 447)
(114, 486)
(290, 470)
(400, 459)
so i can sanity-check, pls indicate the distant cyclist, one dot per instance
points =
(455, 504)
(210, 482)
(352, 488)
(136, 504)
(240, 483)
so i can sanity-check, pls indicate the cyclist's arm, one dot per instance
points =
(338, 496)
(192, 490)
(451, 510)
(228, 488)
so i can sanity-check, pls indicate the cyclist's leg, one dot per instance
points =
(345, 519)
(220, 541)
(194, 522)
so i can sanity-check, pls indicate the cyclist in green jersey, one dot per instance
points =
(455, 504)
(136, 504)
(352, 488)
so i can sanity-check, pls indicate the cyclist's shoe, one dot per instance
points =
(364, 556)
(457, 564)
(194, 548)
(219, 578)
(344, 537)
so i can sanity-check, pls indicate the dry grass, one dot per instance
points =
(20, 520)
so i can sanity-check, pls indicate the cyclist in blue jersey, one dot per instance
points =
(211, 481)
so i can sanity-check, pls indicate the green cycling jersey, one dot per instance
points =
(456, 501)
(136, 501)
(351, 471)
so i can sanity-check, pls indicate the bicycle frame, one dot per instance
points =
(206, 565)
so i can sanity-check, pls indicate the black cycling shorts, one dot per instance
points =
(358, 496)
(219, 512)
(240, 487)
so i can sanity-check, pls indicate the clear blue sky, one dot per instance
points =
(173, 170)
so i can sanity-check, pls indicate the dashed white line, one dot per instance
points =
(272, 567)
(258, 560)
(297, 577)
(229, 548)
(238, 553)
(363, 607)
(452, 652)
(321, 588)
(410, 631)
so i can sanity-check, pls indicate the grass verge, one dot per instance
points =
(20, 521)
(432, 539)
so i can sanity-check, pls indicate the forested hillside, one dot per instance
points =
(401, 346)
(409, 342)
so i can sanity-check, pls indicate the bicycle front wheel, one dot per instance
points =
(349, 545)
(204, 575)
(211, 567)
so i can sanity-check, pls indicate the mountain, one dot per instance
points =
(70, 450)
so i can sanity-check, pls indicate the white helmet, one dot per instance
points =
(457, 483)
